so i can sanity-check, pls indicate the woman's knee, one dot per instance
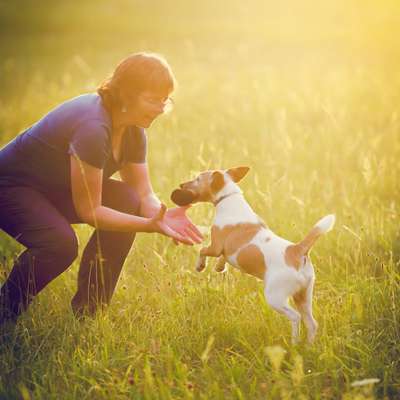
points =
(120, 196)
(61, 245)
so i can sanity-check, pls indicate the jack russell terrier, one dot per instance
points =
(240, 237)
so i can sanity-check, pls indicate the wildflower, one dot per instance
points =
(263, 386)
(365, 382)
(275, 355)
(297, 373)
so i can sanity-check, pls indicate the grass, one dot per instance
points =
(306, 95)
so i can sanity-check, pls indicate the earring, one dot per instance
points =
(124, 109)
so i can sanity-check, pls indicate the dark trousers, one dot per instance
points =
(42, 224)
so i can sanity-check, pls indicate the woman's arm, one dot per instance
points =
(86, 185)
(137, 176)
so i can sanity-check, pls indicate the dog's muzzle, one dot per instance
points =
(183, 197)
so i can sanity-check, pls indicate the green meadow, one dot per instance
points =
(305, 93)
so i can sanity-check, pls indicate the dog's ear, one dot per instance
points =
(217, 181)
(238, 173)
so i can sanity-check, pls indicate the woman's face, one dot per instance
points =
(142, 109)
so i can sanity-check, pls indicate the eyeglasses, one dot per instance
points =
(167, 104)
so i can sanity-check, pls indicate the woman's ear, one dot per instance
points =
(238, 173)
(119, 98)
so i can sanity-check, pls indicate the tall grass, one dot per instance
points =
(308, 96)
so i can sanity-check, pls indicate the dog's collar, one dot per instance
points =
(225, 197)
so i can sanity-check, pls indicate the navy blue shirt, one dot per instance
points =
(40, 156)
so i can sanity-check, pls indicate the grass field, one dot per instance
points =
(308, 95)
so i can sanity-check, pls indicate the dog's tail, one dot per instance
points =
(323, 226)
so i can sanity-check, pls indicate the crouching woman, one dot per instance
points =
(58, 172)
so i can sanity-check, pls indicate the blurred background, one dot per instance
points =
(227, 52)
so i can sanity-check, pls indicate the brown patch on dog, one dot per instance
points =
(205, 185)
(300, 298)
(294, 252)
(233, 237)
(217, 181)
(293, 256)
(239, 236)
(309, 240)
(251, 260)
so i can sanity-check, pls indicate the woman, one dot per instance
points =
(57, 173)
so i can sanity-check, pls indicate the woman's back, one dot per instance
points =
(40, 156)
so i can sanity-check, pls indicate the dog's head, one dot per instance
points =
(206, 186)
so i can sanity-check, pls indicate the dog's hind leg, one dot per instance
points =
(280, 304)
(303, 301)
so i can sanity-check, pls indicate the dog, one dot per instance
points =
(241, 238)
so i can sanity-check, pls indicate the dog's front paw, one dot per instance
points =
(200, 264)
(220, 266)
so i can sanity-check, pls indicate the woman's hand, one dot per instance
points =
(158, 224)
(177, 220)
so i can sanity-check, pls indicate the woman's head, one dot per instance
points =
(139, 89)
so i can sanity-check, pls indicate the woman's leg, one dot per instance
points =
(105, 252)
(32, 220)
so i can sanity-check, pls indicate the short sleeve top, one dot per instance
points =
(40, 156)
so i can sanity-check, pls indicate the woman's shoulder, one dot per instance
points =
(88, 106)
(81, 112)
(73, 112)
(63, 123)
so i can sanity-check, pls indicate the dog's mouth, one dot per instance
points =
(183, 197)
